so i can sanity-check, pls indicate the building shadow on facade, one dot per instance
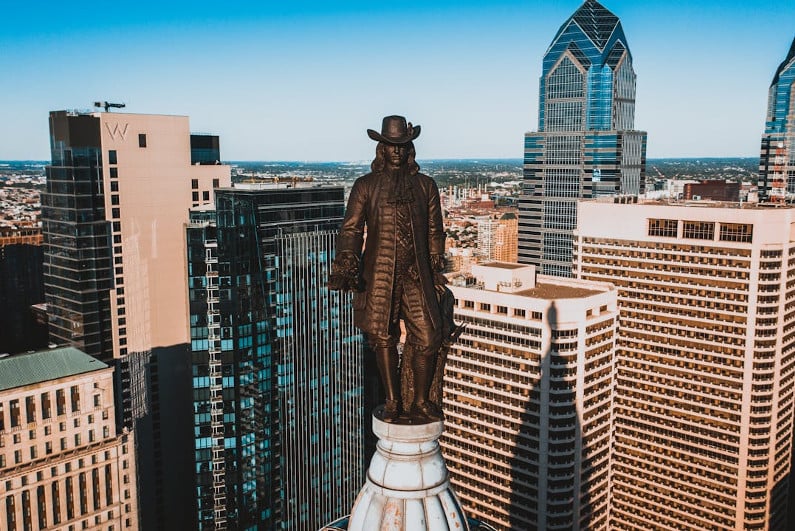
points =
(549, 486)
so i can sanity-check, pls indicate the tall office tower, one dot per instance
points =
(118, 193)
(21, 286)
(585, 145)
(527, 399)
(705, 360)
(277, 368)
(62, 462)
(777, 162)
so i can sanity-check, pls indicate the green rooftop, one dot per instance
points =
(45, 365)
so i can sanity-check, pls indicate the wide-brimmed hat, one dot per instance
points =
(395, 130)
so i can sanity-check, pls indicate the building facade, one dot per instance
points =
(777, 161)
(705, 361)
(586, 145)
(498, 238)
(527, 399)
(63, 465)
(117, 198)
(277, 368)
(21, 286)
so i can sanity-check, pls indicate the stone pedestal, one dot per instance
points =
(407, 486)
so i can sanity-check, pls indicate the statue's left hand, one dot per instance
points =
(437, 263)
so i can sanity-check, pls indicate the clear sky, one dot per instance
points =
(302, 80)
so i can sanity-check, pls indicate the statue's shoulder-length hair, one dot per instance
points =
(379, 163)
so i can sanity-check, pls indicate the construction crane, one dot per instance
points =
(106, 105)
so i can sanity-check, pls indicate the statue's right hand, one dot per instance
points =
(343, 283)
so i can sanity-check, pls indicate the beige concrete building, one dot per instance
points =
(140, 175)
(705, 361)
(527, 398)
(62, 463)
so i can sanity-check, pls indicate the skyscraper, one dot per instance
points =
(585, 145)
(118, 193)
(705, 360)
(777, 162)
(277, 364)
(527, 398)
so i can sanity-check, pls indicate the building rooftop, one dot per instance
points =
(504, 265)
(44, 365)
(550, 291)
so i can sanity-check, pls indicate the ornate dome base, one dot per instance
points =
(407, 486)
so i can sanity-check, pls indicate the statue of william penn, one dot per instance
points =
(390, 253)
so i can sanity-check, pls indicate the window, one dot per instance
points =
(736, 232)
(142, 140)
(663, 227)
(114, 199)
(195, 196)
(205, 195)
(216, 183)
(698, 230)
(112, 157)
(75, 394)
(114, 173)
(115, 212)
(2, 418)
(97, 401)
(46, 406)
(14, 413)
(194, 184)
(114, 186)
(30, 409)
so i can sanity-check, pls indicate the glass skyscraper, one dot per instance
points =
(777, 161)
(585, 145)
(277, 373)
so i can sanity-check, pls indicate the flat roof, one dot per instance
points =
(557, 291)
(504, 265)
(34, 367)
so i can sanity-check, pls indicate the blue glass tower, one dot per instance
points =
(277, 373)
(777, 161)
(585, 146)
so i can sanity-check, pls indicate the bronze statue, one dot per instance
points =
(398, 276)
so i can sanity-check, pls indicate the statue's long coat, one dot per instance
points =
(369, 205)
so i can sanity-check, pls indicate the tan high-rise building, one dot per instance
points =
(527, 398)
(62, 463)
(498, 237)
(705, 360)
(114, 214)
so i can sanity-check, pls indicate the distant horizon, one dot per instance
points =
(419, 160)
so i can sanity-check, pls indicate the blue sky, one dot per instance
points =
(303, 80)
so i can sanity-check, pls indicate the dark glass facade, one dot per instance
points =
(585, 146)
(276, 372)
(205, 149)
(21, 286)
(777, 161)
(77, 260)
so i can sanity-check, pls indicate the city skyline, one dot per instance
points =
(303, 81)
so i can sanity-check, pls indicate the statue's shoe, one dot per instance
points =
(391, 411)
(427, 410)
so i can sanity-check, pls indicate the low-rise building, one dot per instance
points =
(62, 463)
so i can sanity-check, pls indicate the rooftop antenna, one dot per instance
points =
(106, 105)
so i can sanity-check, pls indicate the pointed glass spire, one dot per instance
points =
(596, 21)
